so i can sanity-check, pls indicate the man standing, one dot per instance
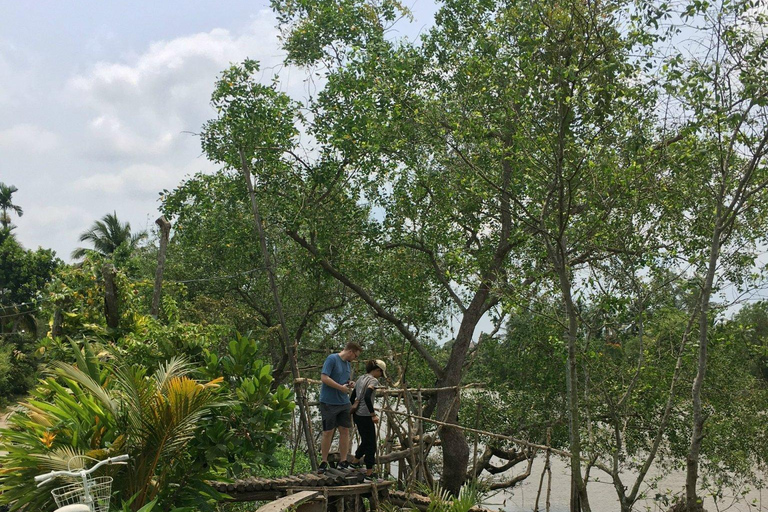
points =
(334, 402)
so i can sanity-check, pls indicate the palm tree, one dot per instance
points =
(7, 206)
(107, 235)
(98, 410)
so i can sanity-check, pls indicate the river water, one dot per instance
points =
(602, 495)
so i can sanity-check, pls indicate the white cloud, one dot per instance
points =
(142, 180)
(117, 131)
(53, 225)
(28, 137)
(142, 106)
(49, 216)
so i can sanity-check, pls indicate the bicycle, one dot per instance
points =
(92, 494)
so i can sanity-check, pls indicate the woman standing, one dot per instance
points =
(364, 414)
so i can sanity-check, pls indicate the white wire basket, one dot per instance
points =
(99, 488)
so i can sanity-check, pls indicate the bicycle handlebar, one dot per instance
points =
(41, 479)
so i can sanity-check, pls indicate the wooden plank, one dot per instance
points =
(333, 478)
(347, 490)
(287, 502)
(255, 496)
(350, 476)
(313, 480)
(316, 505)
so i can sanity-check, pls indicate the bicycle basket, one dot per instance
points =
(100, 489)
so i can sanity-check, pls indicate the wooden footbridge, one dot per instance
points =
(335, 490)
(402, 440)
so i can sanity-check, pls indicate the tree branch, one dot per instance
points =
(368, 299)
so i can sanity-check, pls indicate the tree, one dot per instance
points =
(513, 153)
(96, 410)
(719, 169)
(108, 237)
(252, 131)
(6, 204)
(500, 152)
(214, 252)
(23, 275)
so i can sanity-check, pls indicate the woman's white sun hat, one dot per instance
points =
(381, 365)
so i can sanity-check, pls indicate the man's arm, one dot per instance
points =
(328, 381)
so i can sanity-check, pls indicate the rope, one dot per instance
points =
(399, 391)
(527, 444)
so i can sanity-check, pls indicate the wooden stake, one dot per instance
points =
(165, 233)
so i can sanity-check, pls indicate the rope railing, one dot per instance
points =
(426, 442)
(504, 437)
(399, 391)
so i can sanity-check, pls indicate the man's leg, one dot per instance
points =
(325, 443)
(343, 443)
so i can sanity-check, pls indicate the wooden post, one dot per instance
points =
(474, 451)
(110, 296)
(549, 469)
(279, 307)
(165, 233)
(57, 319)
(422, 449)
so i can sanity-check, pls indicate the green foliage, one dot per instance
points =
(23, 272)
(735, 399)
(111, 239)
(213, 247)
(61, 419)
(18, 366)
(751, 346)
(100, 410)
(7, 205)
(287, 462)
(316, 27)
(252, 118)
(23, 275)
(77, 293)
(442, 501)
(250, 428)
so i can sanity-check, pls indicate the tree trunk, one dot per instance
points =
(697, 436)
(165, 232)
(579, 500)
(110, 296)
(455, 445)
(57, 319)
(281, 317)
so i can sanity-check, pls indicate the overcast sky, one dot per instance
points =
(97, 99)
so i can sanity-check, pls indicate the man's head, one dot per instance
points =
(351, 352)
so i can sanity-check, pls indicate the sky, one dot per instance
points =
(100, 101)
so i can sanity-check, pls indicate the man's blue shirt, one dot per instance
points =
(340, 371)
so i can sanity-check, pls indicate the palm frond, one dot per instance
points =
(175, 367)
(85, 380)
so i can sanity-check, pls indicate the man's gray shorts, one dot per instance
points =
(334, 415)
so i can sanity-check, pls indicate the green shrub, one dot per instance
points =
(99, 410)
